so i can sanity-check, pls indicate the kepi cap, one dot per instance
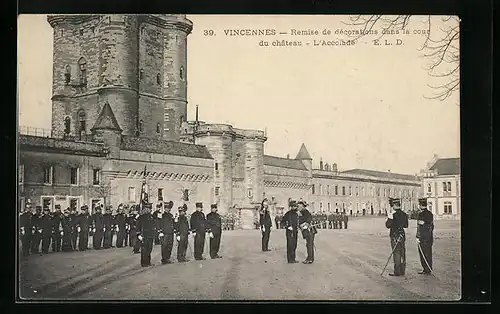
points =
(422, 202)
(169, 204)
(213, 206)
(199, 205)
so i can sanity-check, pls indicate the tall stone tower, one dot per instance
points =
(136, 63)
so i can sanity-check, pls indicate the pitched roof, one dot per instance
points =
(303, 153)
(160, 146)
(107, 119)
(283, 162)
(380, 174)
(446, 166)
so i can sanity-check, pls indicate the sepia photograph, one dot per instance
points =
(238, 157)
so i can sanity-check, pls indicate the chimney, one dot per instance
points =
(196, 113)
(320, 164)
(287, 156)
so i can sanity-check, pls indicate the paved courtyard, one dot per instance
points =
(347, 267)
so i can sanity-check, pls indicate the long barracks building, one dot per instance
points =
(119, 115)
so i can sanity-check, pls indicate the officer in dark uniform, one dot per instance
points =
(214, 224)
(325, 220)
(396, 221)
(36, 232)
(182, 232)
(126, 213)
(425, 237)
(277, 221)
(84, 222)
(265, 224)
(57, 229)
(290, 221)
(198, 225)
(156, 214)
(340, 219)
(119, 222)
(345, 220)
(146, 232)
(98, 228)
(166, 232)
(330, 220)
(67, 236)
(25, 229)
(107, 220)
(45, 225)
(74, 226)
(134, 243)
(308, 231)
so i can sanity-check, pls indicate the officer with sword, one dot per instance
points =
(425, 237)
(396, 221)
(181, 225)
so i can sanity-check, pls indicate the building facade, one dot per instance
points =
(441, 184)
(119, 116)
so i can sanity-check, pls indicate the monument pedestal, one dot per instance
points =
(247, 218)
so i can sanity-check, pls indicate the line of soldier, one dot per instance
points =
(162, 225)
(67, 231)
(328, 220)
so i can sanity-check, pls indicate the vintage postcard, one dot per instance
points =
(239, 157)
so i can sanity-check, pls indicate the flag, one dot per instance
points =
(144, 191)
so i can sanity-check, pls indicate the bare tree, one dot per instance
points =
(104, 191)
(440, 45)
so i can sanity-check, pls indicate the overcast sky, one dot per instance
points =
(361, 106)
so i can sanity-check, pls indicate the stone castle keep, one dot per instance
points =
(119, 106)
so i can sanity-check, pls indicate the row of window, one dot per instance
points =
(446, 187)
(387, 192)
(74, 175)
(82, 73)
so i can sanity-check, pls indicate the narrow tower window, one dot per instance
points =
(158, 128)
(158, 79)
(141, 74)
(67, 75)
(82, 118)
(141, 126)
(67, 125)
(82, 68)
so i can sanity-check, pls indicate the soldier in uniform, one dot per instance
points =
(45, 225)
(134, 243)
(74, 226)
(214, 224)
(291, 222)
(325, 220)
(329, 219)
(277, 221)
(146, 232)
(98, 228)
(57, 229)
(26, 232)
(166, 232)
(126, 214)
(36, 231)
(345, 219)
(198, 225)
(265, 224)
(84, 221)
(107, 220)
(308, 230)
(425, 237)
(119, 222)
(67, 236)
(156, 216)
(182, 232)
(396, 221)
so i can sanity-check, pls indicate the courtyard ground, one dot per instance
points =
(347, 267)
